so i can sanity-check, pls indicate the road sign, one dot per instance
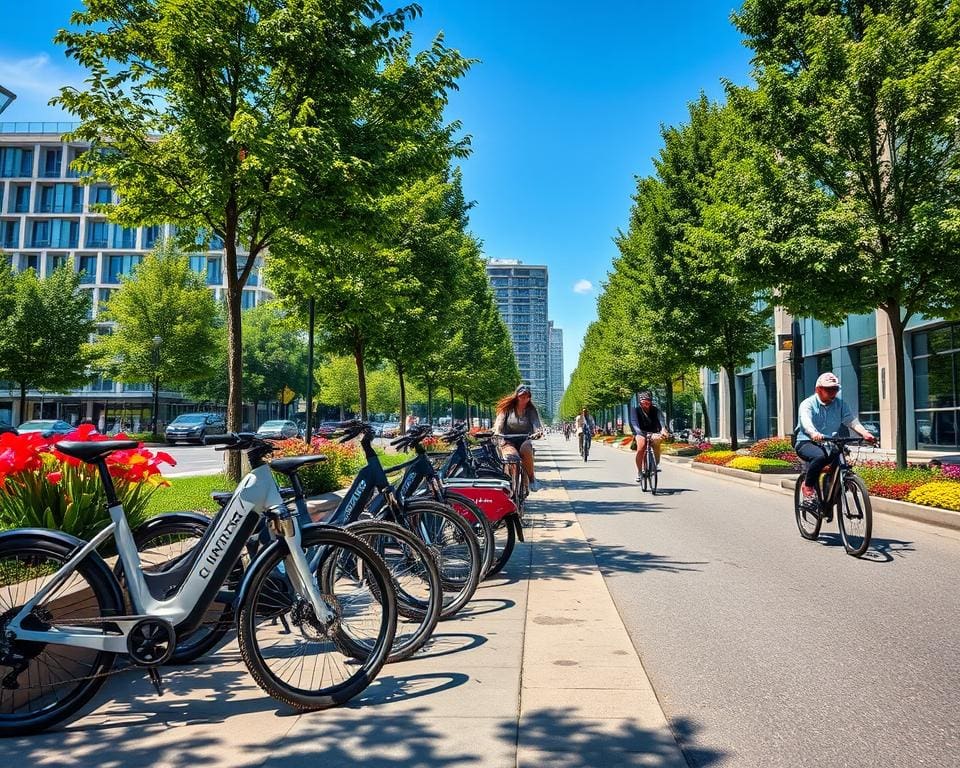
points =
(286, 395)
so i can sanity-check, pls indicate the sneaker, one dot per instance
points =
(808, 498)
(639, 477)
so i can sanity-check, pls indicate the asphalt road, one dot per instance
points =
(191, 460)
(766, 649)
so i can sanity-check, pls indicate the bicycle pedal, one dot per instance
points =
(156, 680)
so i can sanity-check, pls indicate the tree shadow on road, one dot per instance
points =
(558, 738)
(566, 559)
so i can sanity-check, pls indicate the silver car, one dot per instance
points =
(278, 429)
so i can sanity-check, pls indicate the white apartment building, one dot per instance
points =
(45, 220)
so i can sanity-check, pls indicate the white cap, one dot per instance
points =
(828, 380)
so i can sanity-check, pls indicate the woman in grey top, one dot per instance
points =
(517, 415)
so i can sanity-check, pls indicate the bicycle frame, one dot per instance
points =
(195, 582)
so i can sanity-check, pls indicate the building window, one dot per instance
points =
(16, 162)
(770, 389)
(87, 266)
(97, 234)
(248, 299)
(749, 405)
(824, 363)
(39, 234)
(151, 235)
(51, 163)
(64, 233)
(30, 261)
(59, 198)
(214, 273)
(100, 196)
(123, 237)
(935, 385)
(118, 266)
(20, 199)
(101, 384)
(10, 234)
(868, 386)
(54, 262)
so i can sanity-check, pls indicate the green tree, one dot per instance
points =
(338, 384)
(164, 315)
(857, 172)
(274, 353)
(704, 307)
(237, 118)
(44, 331)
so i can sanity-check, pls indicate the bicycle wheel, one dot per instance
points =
(855, 516)
(654, 475)
(808, 520)
(468, 509)
(454, 545)
(164, 543)
(43, 684)
(505, 539)
(586, 449)
(301, 661)
(416, 581)
(644, 480)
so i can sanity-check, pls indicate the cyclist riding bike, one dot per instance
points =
(584, 425)
(517, 415)
(821, 415)
(646, 418)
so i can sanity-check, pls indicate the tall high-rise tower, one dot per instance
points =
(521, 294)
(555, 385)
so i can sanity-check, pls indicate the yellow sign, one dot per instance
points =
(287, 395)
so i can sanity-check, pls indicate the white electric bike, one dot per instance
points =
(312, 634)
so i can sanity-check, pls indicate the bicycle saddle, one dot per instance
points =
(290, 464)
(90, 451)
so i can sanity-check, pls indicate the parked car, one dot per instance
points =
(326, 428)
(46, 427)
(193, 427)
(279, 429)
(4, 427)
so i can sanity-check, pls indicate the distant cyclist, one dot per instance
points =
(646, 417)
(821, 416)
(517, 415)
(584, 425)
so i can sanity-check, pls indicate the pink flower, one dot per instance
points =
(54, 477)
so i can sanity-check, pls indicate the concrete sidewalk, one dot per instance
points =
(537, 671)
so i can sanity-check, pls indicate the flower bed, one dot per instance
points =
(43, 488)
(757, 464)
(718, 458)
(771, 447)
(940, 493)
(883, 479)
(343, 462)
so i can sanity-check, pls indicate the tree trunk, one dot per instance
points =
(897, 325)
(403, 400)
(466, 401)
(453, 407)
(234, 340)
(430, 404)
(23, 403)
(358, 350)
(342, 413)
(669, 403)
(732, 403)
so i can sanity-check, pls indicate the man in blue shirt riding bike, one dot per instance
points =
(821, 415)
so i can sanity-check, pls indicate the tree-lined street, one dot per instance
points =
(782, 652)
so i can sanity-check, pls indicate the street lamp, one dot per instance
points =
(157, 341)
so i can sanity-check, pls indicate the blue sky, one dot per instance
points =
(564, 111)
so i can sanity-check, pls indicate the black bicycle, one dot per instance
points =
(648, 476)
(838, 488)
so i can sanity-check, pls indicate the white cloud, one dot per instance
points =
(35, 80)
(582, 286)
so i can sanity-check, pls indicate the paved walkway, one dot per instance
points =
(538, 671)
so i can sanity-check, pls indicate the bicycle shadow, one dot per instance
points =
(880, 551)
(449, 643)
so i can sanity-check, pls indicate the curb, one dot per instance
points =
(578, 654)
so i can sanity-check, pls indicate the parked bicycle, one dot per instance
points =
(838, 488)
(63, 617)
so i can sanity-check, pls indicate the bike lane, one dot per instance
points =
(765, 649)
